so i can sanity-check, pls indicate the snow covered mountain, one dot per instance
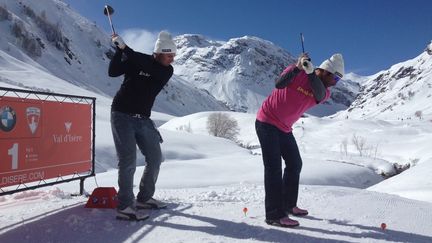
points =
(58, 39)
(240, 72)
(237, 74)
(51, 36)
(399, 93)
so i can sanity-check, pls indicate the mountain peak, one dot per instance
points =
(399, 93)
(239, 72)
(194, 40)
(48, 38)
(429, 49)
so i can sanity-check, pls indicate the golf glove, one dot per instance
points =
(307, 65)
(118, 41)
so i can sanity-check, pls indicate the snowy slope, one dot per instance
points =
(178, 98)
(51, 36)
(237, 74)
(215, 214)
(241, 71)
(321, 141)
(410, 184)
(207, 181)
(68, 45)
(397, 93)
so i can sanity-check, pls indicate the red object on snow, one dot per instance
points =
(245, 210)
(383, 226)
(103, 197)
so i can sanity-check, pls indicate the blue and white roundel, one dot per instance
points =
(7, 118)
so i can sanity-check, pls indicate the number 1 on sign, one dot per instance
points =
(14, 153)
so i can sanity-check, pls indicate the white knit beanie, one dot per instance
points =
(165, 43)
(334, 65)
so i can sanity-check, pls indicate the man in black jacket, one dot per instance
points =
(144, 77)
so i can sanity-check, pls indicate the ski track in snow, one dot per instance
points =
(215, 214)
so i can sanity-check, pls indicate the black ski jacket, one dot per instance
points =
(144, 78)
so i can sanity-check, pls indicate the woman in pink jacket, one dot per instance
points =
(299, 87)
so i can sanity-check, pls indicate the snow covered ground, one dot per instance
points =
(208, 181)
(215, 214)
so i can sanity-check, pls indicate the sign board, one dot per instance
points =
(44, 139)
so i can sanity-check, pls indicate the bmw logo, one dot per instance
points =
(7, 118)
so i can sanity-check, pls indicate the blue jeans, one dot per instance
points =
(128, 132)
(281, 190)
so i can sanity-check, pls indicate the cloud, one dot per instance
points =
(363, 71)
(140, 39)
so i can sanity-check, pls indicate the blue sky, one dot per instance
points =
(371, 34)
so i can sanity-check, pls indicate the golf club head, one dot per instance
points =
(108, 10)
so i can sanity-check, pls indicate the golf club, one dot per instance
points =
(108, 11)
(303, 51)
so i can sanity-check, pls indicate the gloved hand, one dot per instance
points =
(304, 63)
(307, 65)
(118, 41)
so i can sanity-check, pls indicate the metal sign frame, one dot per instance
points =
(56, 97)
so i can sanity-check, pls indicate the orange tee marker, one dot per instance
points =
(245, 210)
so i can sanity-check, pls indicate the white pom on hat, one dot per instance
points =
(334, 65)
(165, 44)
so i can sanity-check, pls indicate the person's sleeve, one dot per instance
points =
(117, 67)
(169, 75)
(132, 56)
(318, 88)
(287, 76)
(165, 79)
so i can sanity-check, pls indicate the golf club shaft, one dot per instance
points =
(109, 18)
(302, 41)
(303, 51)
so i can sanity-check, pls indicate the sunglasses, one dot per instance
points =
(336, 77)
